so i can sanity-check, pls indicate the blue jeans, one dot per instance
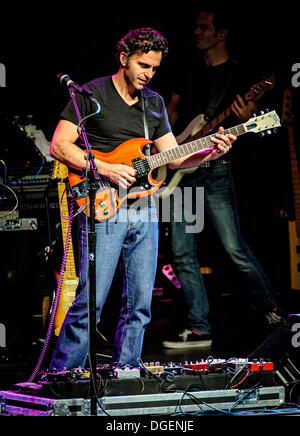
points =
(221, 209)
(133, 240)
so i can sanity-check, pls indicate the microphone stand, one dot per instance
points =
(93, 177)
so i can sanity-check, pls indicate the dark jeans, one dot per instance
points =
(221, 209)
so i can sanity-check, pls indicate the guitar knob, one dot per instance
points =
(102, 203)
(105, 212)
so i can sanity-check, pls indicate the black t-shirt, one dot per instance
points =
(117, 121)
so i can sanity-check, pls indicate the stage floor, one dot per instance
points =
(238, 330)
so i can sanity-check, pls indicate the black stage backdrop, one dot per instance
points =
(79, 39)
(39, 42)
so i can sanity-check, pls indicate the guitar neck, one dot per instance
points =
(255, 94)
(189, 148)
(213, 124)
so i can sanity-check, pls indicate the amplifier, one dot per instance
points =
(22, 224)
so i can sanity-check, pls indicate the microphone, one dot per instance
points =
(66, 80)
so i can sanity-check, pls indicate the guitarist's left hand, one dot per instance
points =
(243, 110)
(223, 144)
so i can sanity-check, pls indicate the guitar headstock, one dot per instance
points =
(60, 171)
(263, 123)
(257, 90)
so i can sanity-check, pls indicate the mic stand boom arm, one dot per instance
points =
(94, 179)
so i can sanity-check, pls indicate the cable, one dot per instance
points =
(242, 398)
(150, 373)
(5, 176)
(237, 373)
(33, 178)
(88, 116)
(198, 402)
(4, 190)
(17, 201)
(241, 381)
(56, 300)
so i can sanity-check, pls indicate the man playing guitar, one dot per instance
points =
(132, 234)
(208, 86)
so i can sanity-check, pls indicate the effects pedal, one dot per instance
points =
(126, 373)
(206, 366)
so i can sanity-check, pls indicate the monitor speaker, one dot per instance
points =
(282, 347)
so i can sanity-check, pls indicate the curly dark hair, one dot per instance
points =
(142, 41)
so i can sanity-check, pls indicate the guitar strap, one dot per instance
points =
(146, 151)
(147, 148)
(146, 130)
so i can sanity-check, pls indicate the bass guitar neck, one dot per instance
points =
(294, 224)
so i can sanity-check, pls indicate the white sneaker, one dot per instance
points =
(189, 339)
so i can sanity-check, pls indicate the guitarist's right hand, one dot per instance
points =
(120, 174)
(243, 110)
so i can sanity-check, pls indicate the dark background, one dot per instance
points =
(39, 42)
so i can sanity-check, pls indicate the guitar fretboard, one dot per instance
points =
(189, 148)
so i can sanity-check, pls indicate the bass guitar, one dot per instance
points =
(201, 124)
(110, 197)
(294, 224)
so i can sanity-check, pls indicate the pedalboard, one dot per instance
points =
(153, 378)
(148, 369)
(152, 388)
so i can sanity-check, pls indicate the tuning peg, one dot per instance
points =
(268, 132)
(261, 113)
(275, 130)
(261, 134)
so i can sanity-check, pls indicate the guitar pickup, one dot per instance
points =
(79, 190)
(141, 166)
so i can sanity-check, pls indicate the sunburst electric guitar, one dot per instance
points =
(109, 198)
(200, 127)
(294, 225)
(69, 281)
